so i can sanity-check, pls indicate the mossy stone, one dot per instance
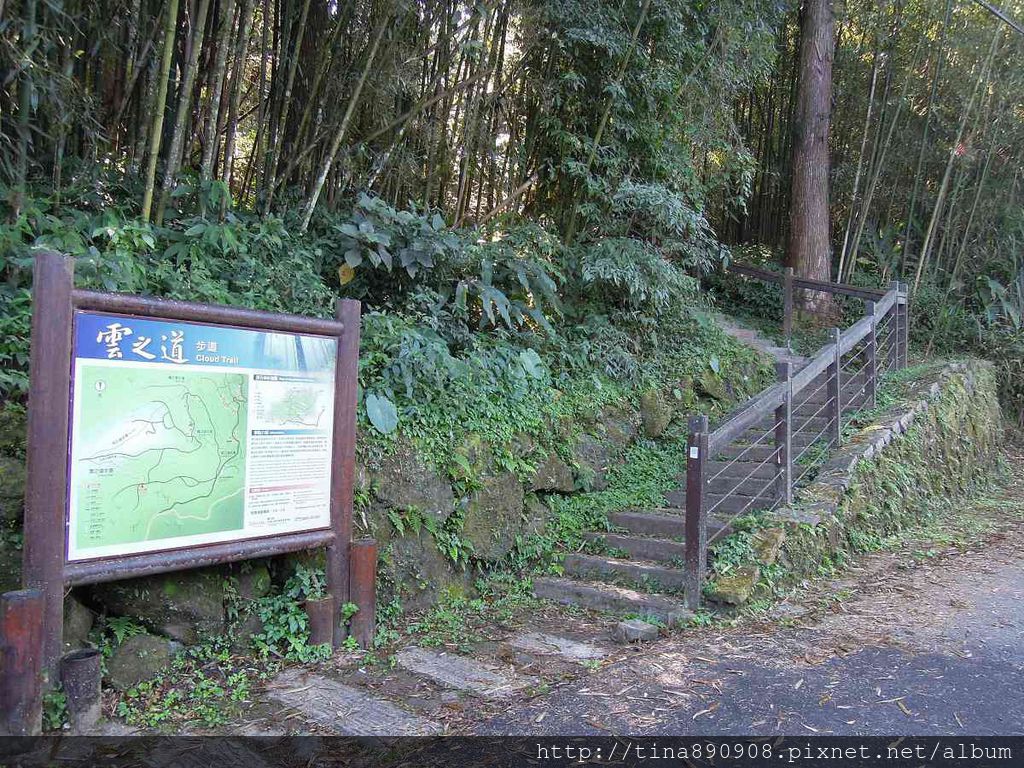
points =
(493, 516)
(553, 474)
(655, 413)
(537, 514)
(77, 624)
(593, 457)
(710, 384)
(768, 544)
(736, 587)
(421, 574)
(139, 658)
(184, 606)
(403, 481)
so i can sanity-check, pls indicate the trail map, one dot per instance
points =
(163, 454)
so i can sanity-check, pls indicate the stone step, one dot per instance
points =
(461, 673)
(610, 598)
(755, 453)
(662, 524)
(344, 710)
(722, 486)
(812, 394)
(544, 644)
(756, 437)
(640, 547)
(730, 506)
(737, 469)
(650, 576)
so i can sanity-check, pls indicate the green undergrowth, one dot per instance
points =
(649, 470)
(459, 621)
(205, 685)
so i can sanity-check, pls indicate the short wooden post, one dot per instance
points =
(80, 677)
(46, 487)
(22, 653)
(871, 357)
(903, 312)
(783, 434)
(363, 562)
(695, 522)
(835, 389)
(787, 304)
(322, 615)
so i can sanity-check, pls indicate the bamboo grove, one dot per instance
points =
(594, 118)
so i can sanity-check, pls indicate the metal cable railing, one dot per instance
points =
(847, 370)
(746, 449)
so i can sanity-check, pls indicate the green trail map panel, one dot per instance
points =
(158, 454)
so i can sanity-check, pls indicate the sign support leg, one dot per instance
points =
(343, 477)
(46, 490)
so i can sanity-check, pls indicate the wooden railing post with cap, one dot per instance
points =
(871, 355)
(783, 434)
(787, 311)
(835, 388)
(902, 311)
(695, 522)
(894, 330)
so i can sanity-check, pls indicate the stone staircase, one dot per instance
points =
(635, 567)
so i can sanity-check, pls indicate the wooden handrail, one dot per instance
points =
(843, 289)
(778, 401)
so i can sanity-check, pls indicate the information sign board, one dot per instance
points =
(191, 433)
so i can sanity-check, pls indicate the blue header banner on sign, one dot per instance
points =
(101, 336)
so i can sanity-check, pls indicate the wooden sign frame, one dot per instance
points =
(45, 563)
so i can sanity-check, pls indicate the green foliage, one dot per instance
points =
(459, 621)
(205, 686)
(306, 584)
(55, 710)
(285, 632)
(285, 624)
(649, 471)
(630, 274)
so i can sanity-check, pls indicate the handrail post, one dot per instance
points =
(787, 307)
(903, 312)
(783, 435)
(871, 353)
(695, 522)
(894, 334)
(835, 388)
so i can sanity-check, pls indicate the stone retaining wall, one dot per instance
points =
(914, 459)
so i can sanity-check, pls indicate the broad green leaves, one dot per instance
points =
(382, 413)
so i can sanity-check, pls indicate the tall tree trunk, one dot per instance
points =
(940, 55)
(275, 157)
(227, 18)
(159, 107)
(238, 74)
(809, 206)
(25, 104)
(940, 199)
(318, 185)
(184, 104)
